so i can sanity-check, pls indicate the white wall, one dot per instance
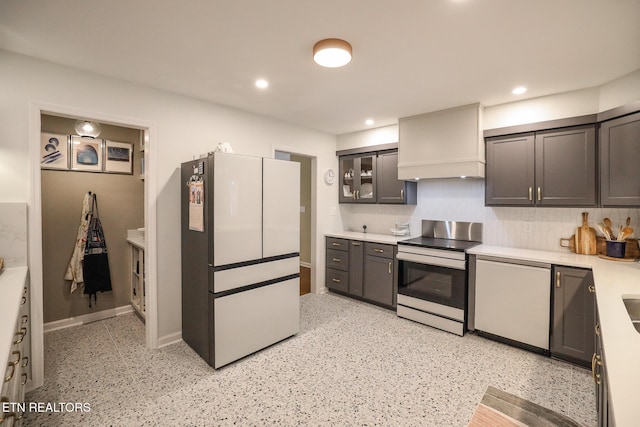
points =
(185, 127)
(368, 138)
(463, 200)
(620, 91)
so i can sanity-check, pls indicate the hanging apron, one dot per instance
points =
(74, 269)
(97, 277)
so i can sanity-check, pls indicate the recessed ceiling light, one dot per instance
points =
(417, 179)
(332, 53)
(369, 122)
(519, 90)
(262, 83)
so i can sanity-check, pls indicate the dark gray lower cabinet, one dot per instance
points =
(337, 264)
(362, 269)
(573, 315)
(356, 260)
(378, 273)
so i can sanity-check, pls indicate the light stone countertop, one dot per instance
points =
(614, 280)
(136, 238)
(137, 241)
(368, 237)
(12, 283)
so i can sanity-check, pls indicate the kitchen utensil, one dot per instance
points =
(627, 231)
(603, 231)
(585, 237)
(571, 243)
(607, 226)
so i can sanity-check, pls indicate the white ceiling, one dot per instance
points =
(409, 56)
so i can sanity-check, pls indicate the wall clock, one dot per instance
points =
(329, 176)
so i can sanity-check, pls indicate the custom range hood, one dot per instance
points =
(442, 144)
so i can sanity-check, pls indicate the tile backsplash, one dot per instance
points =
(13, 234)
(463, 200)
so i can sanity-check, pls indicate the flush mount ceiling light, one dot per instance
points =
(332, 53)
(87, 128)
(262, 83)
(369, 122)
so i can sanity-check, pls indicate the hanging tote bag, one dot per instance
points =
(97, 277)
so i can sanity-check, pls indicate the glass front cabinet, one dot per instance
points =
(358, 178)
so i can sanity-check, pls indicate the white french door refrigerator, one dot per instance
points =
(240, 254)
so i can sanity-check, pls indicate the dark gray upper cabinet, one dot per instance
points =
(358, 178)
(566, 167)
(619, 154)
(573, 315)
(510, 170)
(550, 168)
(390, 188)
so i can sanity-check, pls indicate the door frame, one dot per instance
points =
(35, 223)
(314, 203)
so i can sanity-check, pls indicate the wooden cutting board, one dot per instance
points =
(585, 237)
(570, 243)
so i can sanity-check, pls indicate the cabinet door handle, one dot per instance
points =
(25, 362)
(21, 334)
(389, 268)
(595, 362)
(335, 280)
(358, 195)
(592, 289)
(401, 194)
(25, 319)
(356, 244)
(336, 259)
(557, 279)
(24, 379)
(335, 244)
(530, 193)
(539, 194)
(379, 250)
(353, 195)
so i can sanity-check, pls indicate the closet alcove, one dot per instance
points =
(121, 208)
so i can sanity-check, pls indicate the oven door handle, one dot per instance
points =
(432, 260)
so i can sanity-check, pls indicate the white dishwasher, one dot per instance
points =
(513, 300)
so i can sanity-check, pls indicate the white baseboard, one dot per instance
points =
(305, 264)
(169, 339)
(87, 318)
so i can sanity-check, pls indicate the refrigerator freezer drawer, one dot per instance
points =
(252, 320)
(233, 278)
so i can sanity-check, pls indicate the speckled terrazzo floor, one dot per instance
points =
(351, 364)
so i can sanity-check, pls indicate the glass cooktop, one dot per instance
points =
(435, 243)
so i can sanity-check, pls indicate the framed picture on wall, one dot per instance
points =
(86, 154)
(54, 151)
(118, 157)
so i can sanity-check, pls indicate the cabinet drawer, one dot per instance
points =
(337, 279)
(337, 244)
(377, 249)
(337, 259)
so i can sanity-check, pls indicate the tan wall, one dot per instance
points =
(305, 200)
(121, 207)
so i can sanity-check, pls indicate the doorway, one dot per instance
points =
(108, 169)
(306, 210)
(35, 212)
